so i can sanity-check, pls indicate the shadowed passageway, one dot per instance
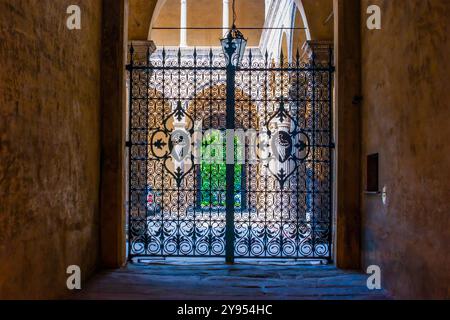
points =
(217, 281)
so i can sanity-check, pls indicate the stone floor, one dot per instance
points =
(214, 280)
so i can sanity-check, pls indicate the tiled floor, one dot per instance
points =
(191, 280)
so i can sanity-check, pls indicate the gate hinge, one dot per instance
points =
(333, 145)
(128, 144)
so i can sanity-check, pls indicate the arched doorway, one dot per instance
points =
(211, 176)
(317, 17)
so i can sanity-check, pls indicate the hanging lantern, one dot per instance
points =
(234, 45)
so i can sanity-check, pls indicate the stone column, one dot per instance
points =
(140, 50)
(321, 50)
(183, 24)
(267, 6)
(226, 16)
(112, 117)
(347, 56)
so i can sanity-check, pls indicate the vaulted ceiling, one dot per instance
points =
(319, 17)
(317, 13)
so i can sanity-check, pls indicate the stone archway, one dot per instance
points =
(212, 116)
(346, 205)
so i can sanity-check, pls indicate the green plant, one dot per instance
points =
(213, 176)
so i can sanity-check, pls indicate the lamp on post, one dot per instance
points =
(233, 45)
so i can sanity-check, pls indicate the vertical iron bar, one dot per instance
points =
(230, 123)
(210, 164)
(330, 150)
(314, 148)
(179, 232)
(163, 170)
(243, 188)
(266, 176)
(298, 174)
(129, 145)
(146, 146)
(281, 74)
(249, 187)
(197, 168)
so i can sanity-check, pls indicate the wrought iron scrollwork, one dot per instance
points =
(283, 197)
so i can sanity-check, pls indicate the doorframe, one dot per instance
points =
(347, 173)
(113, 133)
(347, 120)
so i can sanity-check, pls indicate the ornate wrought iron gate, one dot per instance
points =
(273, 200)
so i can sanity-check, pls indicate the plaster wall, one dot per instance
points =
(168, 17)
(405, 118)
(139, 18)
(49, 145)
(203, 13)
(318, 16)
